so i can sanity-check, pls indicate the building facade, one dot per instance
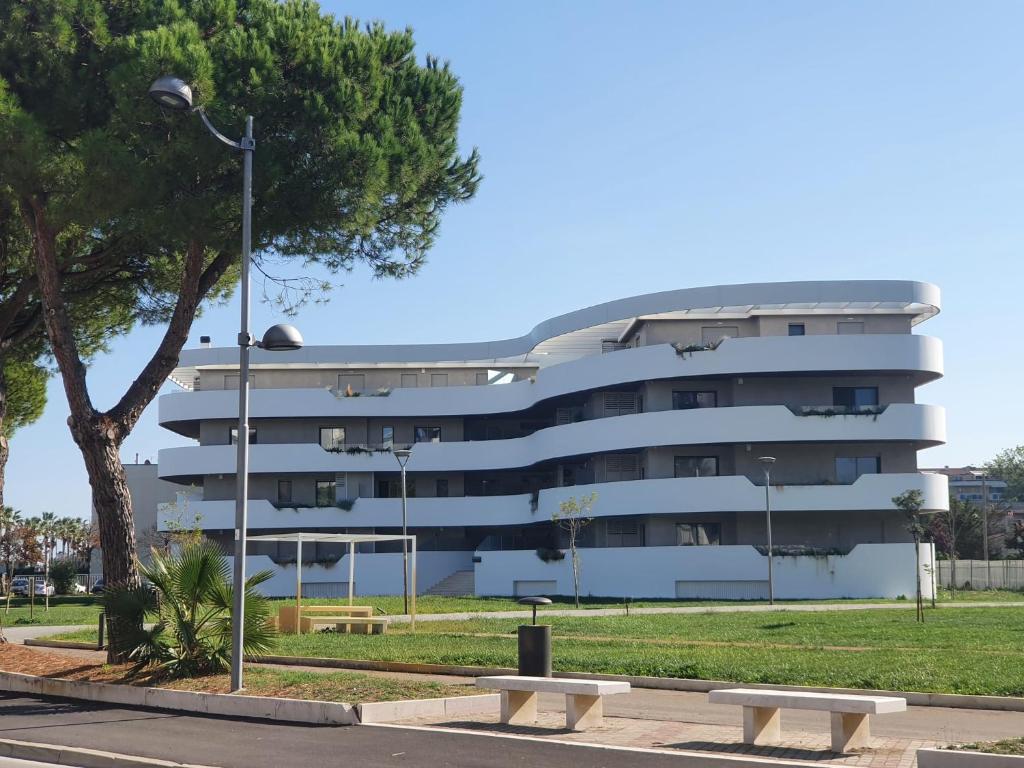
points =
(659, 404)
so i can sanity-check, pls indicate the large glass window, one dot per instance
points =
(682, 401)
(332, 438)
(387, 437)
(427, 435)
(233, 436)
(284, 491)
(392, 489)
(797, 329)
(441, 489)
(696, 466)
(698, 534)
(849, 468)
(326, 493)
(854, 397)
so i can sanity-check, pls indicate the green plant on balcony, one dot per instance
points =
(550, 554)
(687, 350)
(346, 504)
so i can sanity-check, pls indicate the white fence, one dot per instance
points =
(977, 574)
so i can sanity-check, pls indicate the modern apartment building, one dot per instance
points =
(660, 404)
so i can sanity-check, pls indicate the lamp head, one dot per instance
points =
(766, 461)
(402, 454)
(281, 338)
(171, 93)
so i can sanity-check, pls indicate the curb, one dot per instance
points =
(73, 644)
(80, 757)
(451, 706)
(224, 704)
(952, 758)
(914, 698)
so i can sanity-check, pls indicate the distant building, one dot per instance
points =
(964, 485)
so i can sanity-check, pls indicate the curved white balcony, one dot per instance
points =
(635, 497)
(921, 355)
(923, 425)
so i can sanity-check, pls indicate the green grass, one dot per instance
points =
(956, 651)
(64, 611)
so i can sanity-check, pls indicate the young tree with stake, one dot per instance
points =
(572, 517)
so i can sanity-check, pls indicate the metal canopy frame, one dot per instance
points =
(343, 538)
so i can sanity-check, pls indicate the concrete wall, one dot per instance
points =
(869, 570)
(148, 492)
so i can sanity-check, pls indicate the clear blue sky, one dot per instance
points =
(634, 147)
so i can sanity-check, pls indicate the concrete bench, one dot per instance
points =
(850, 727)
(359, 625)
(286, 614)
(583, 707)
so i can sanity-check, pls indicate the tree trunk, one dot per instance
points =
(5, 449)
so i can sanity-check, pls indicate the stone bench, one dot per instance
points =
(583, 707)
(850, 712)
(359, 625)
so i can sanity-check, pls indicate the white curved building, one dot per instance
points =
(660, 404)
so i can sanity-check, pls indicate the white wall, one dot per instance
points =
(869, 570)
(375, 574)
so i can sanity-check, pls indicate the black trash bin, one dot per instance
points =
(535, 643)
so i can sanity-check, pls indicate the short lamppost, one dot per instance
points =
(402, 455)
(980, 474)
(173, 93)
(766, 465)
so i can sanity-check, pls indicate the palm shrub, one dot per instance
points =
(189, 599)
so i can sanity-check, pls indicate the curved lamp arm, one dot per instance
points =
(245, 143)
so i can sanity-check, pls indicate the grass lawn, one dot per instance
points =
(958, 651)
(64, 611)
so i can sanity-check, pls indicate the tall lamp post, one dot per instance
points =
(402, 455)
(983, 476)
(766, 464)
(173, 93)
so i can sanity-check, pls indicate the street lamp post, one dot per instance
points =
(766, 465)
(983, 476)
(173, 93)
(402, 455)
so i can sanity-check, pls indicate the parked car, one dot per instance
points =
(97, 588)
(43, 589)
(19, 586)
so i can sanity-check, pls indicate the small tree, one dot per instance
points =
(63, 572)
(10, 520)
(910, 502)
(572, 517)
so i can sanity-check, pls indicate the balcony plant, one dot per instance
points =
(550, 554)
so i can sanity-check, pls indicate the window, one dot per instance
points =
(387, 437)
(326, 491)
(698, 534)
(409, 380)
(332, 438)
(849, 468)
(715, 333)
(233, 436)
(623, 533)
(854, 397)
(621, 466)
(231, 381)
(682, 401)
(696, 466)
(439, 379)
(357, 381)
(844, 327)
(442, 487)
(797, 329)
(481, 377)
(392, 489)
(427, 435)
(619, 403)
(284, 491)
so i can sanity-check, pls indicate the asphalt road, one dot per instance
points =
(229, 743)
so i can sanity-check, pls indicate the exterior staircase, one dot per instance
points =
(459, 584)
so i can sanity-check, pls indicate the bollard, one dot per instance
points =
(99, 634)
(535, 643)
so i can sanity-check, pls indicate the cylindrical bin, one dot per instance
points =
(535, 650)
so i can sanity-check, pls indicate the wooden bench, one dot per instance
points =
(583, 707)
(286, 614)
(357, 625)
(850, 727)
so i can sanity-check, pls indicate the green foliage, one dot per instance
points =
(1008, 465)
(190, 602)
(26, 393)
(62, 574)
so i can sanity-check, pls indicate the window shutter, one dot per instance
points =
(619, 403)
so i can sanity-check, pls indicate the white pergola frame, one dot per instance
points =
(343, 538)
